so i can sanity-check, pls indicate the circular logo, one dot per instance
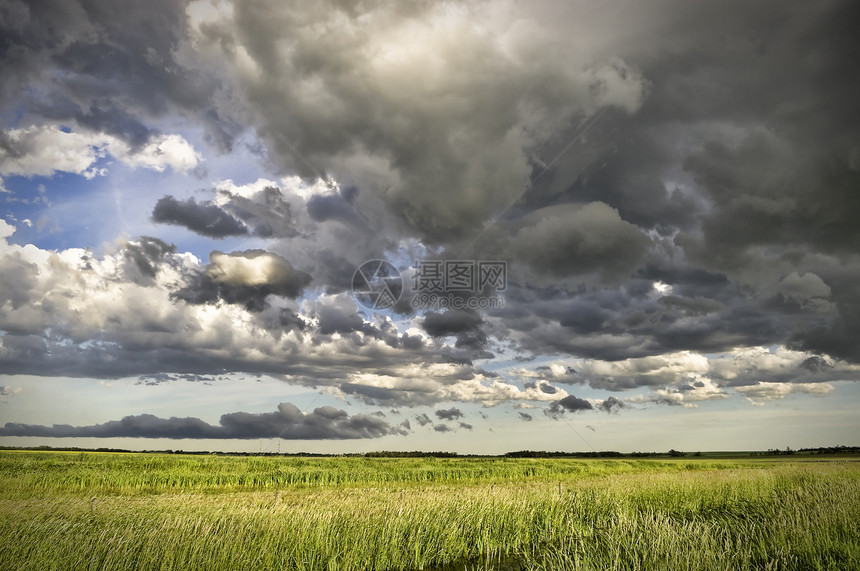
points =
(377, 284)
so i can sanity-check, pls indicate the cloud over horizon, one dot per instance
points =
(288, 423)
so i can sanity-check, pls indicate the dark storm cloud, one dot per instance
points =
(450, 322)
(569, 403)
(622, 174)
(334, 207)
(423, 419)
(756, 197)
(288, 422)
(692, 306)
(776, 161)
(442, 428)
(572, 239)
(109, 66)
(464, 324)
(525, 416)
(204, 218)
(705, 312)
(449, 414)
(505, 100)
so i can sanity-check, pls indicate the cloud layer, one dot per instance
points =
(288, 422)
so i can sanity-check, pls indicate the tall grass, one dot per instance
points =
(135, 473)
(783, 516)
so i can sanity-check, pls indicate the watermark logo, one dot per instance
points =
(377, 285)
(463, 276)
(436, 284)
(459, 284)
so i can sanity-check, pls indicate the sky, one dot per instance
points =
(471, 226)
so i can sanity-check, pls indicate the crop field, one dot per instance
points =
(70, 510)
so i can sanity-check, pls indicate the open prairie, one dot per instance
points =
(69, 510)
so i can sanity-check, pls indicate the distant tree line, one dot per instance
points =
(412, 454)
(440, 454)
(833, 450)
(545, 454)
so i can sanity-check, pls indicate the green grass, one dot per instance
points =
(142, 511)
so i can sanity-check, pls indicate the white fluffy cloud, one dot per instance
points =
(743, 365)
(165, 151)
(766, 391)
(669, 369)
(41, 150)
(423, 384)
(702, 389)
(6, 229)
(685, 378)
(129, 312)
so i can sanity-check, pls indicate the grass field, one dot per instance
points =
(69, 510)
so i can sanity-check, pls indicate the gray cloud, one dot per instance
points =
(371, 394)
(204, 218)
(107, 67)
(570, 403)
(267, 209)
(463, 324)
(148, 254)
(510, 91)
(612, 404)
(340, 315)
(578, 239)
(288, 422)
(335, 207)
(157, 378)
(449, 414)
(692, 306)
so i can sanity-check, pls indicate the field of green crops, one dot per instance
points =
(69, 510)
